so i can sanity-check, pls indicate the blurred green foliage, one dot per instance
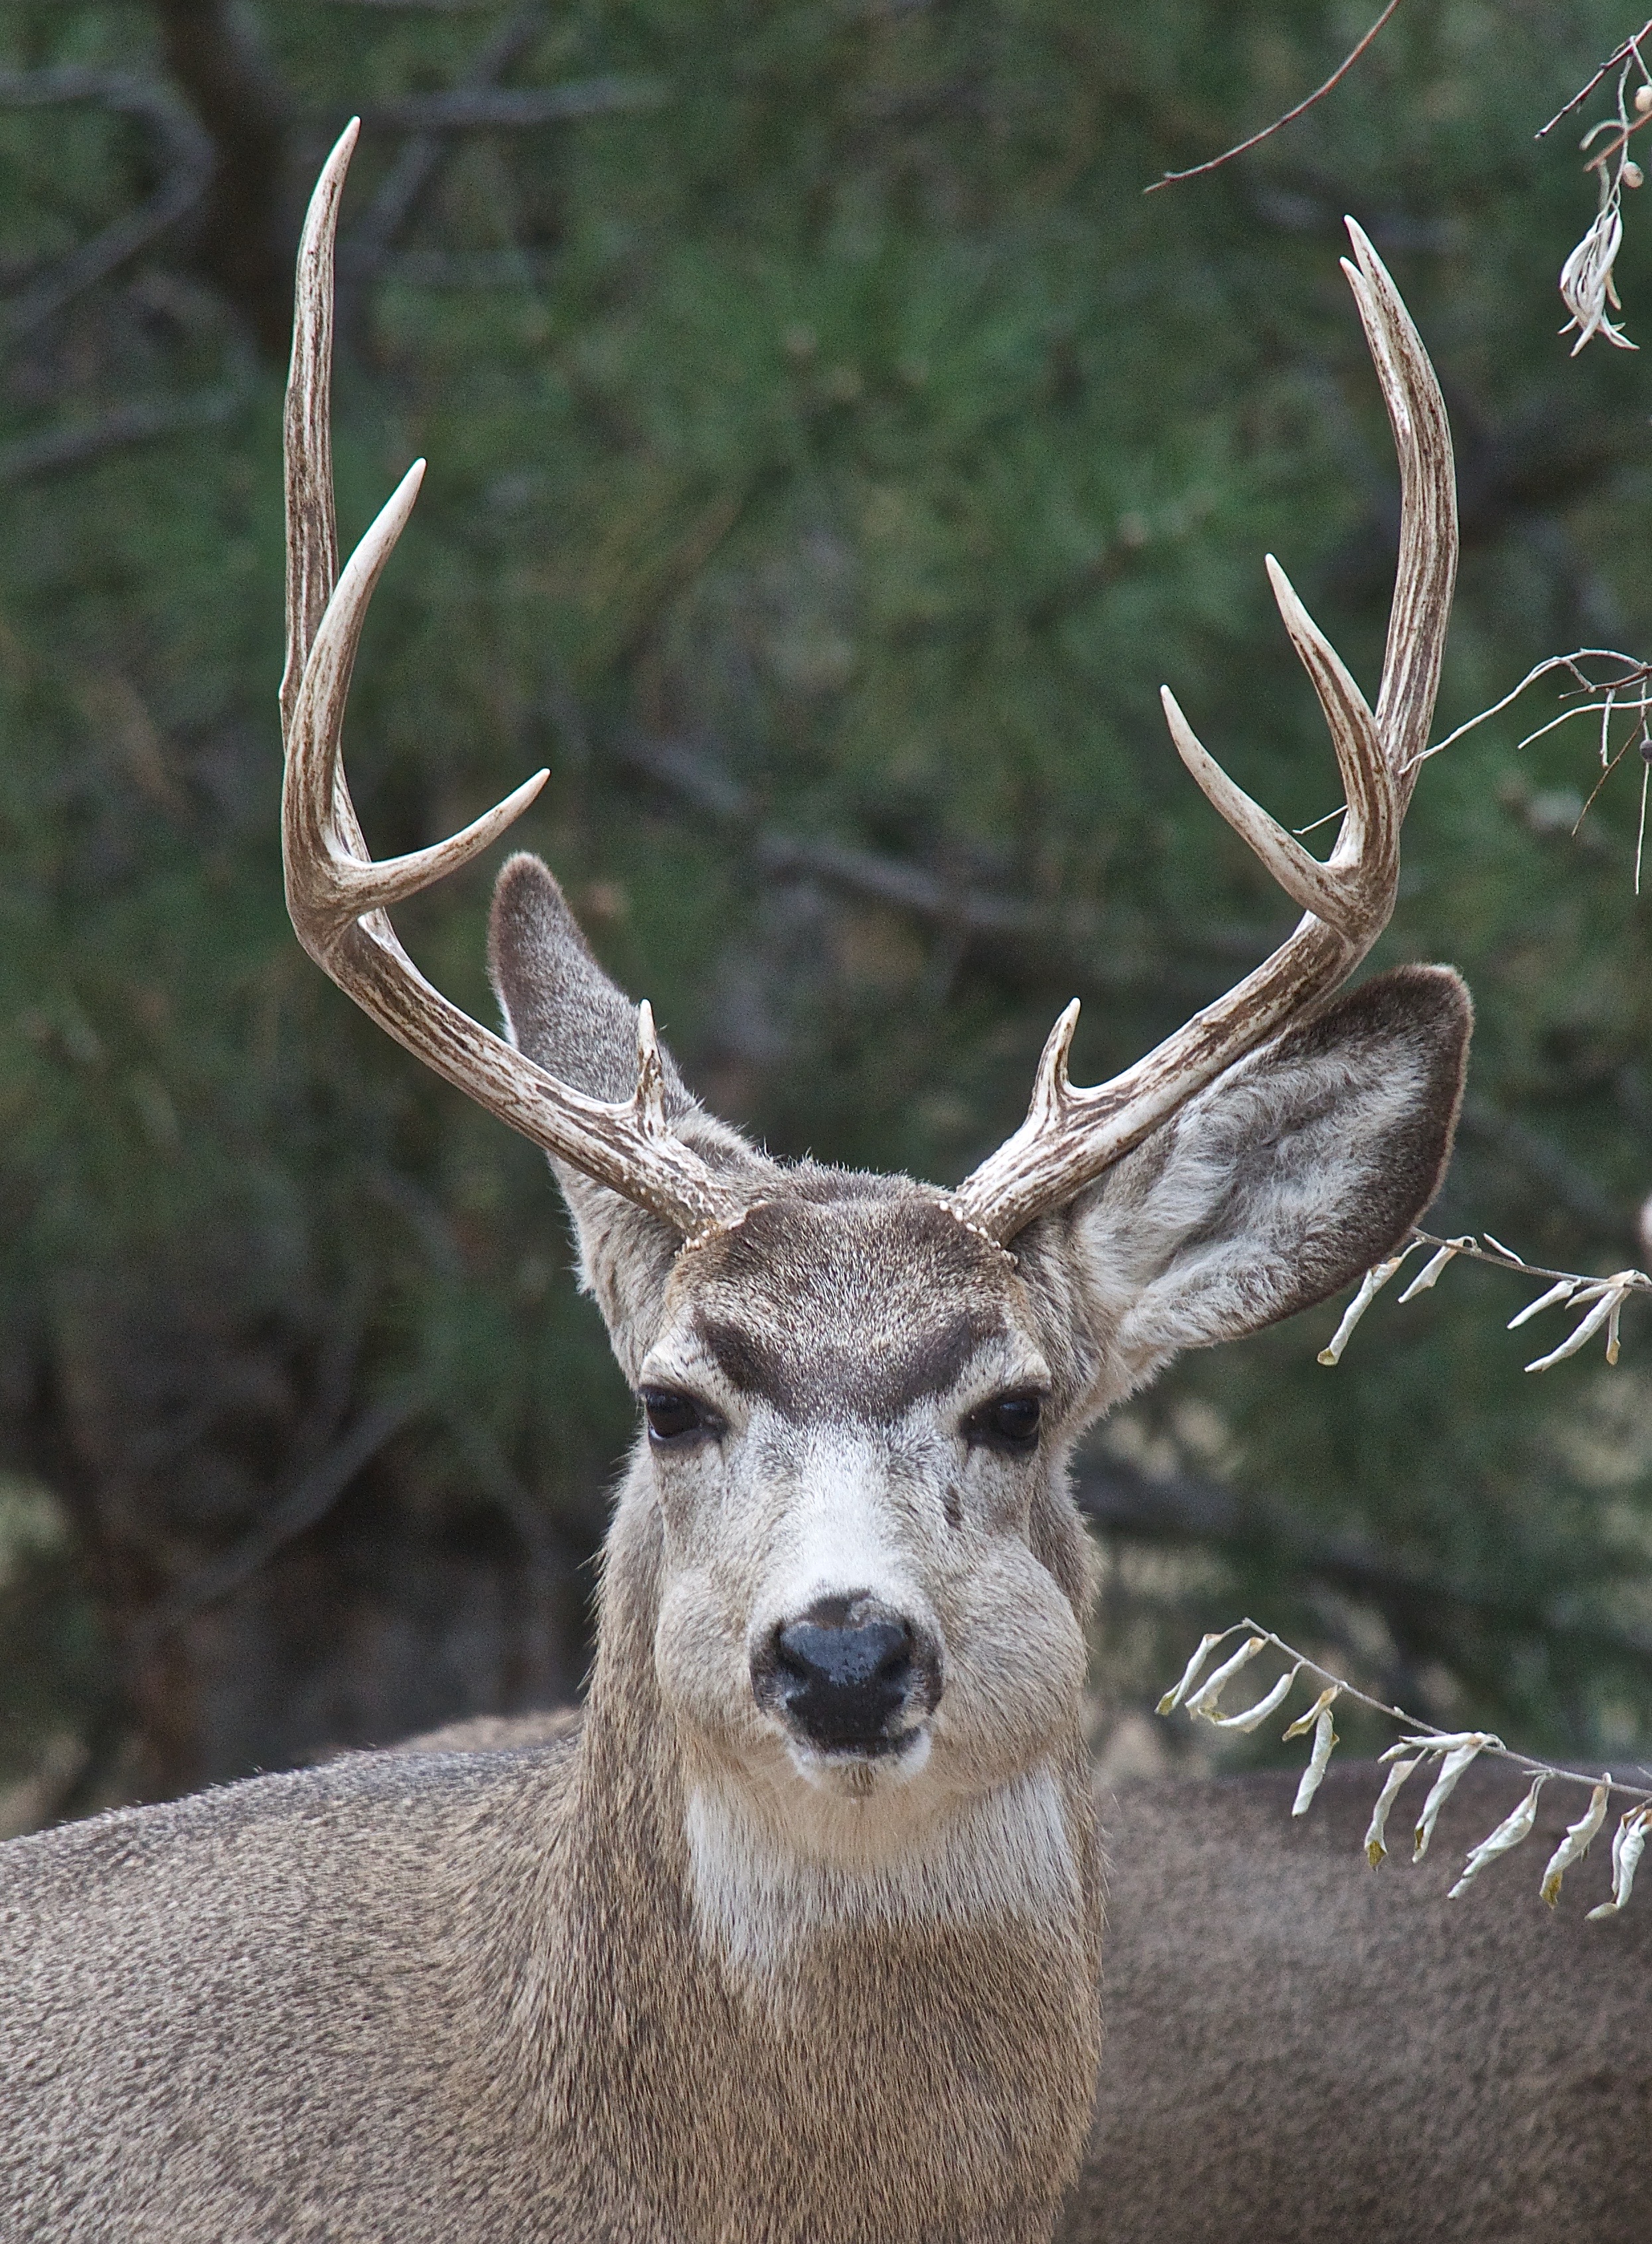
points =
(831, 452)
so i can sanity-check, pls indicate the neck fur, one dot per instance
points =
(760, 1899)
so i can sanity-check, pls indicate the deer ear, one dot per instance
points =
(1283, 1181)
(563, 1010)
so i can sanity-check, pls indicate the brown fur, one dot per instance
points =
(1299, 2050)
(1302, 2050)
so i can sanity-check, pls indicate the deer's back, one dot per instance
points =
(205, 2006)
(1299, 2048)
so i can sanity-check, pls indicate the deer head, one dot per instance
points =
(860, 1392)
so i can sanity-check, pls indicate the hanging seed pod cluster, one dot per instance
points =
(1445, 1754)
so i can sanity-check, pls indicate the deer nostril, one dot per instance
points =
(844, 1683)
(845, 1659)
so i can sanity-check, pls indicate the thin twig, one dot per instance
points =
(1291, 116)
(1503, 1258)
(1623, 53)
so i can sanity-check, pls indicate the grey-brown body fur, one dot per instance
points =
(700, 1976)
(1300, 2051)
(460, 1997)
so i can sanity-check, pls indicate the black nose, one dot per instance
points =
(843, 1673)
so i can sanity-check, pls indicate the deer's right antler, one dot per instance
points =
(1070, 1136)
(338, 897)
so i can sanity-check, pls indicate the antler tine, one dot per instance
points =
(337, 895)
(1070, 1136)
(311, 530)
(1368, 843)
(1427, 570)
(1304, 880)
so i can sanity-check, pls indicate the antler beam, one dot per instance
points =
(337, 895)
(1070, 1136)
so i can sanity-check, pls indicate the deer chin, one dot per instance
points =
(859, 1772)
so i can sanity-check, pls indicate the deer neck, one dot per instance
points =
(744, 1992)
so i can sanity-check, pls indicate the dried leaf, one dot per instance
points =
(1304, 1723)
(1323, 1739)
(1433, 1271)
(1371, 1286)
(1575, 1844)
(1445, 1784)
(1375, 1848)
(1628, 1843)
(1203, 1700)
(1515, 1827)
(1172, 1700)
(1253, 1717)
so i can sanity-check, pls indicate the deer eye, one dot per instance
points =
(1009, 1422)
(673, 1417)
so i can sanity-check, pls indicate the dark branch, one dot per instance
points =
(147, 423)
(1577, 1194)
(1180, 1510)
(1048, 939)
(309, 1500)
(365, 249)
(189, 168)
(465, 109)
(249, 225)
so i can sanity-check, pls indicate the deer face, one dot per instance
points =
(855, 1430)
(858, 1407)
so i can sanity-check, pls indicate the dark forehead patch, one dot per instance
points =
(858, 1307)
(811, 1376)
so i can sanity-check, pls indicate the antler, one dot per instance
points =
(337, 895)
(1071, 1135)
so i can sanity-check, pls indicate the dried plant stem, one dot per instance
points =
(1291, 116)
(1417, 1730)
(1600, 1299)
(1622, 55)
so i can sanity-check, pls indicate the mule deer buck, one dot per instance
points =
(800, 1936)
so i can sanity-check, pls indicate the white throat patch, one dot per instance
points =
(758, 1901)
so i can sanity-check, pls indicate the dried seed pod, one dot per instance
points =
(1323, 1739)
(1444, 1785)
(1370, 1286)
(1434, 1270)
(1253, 1717)
(1515, 1826)
(1172, 1700)
(1575, 1844)
(1304, 1723)
(1628, 1843)
(1203, 1700)
(1376, 1848)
